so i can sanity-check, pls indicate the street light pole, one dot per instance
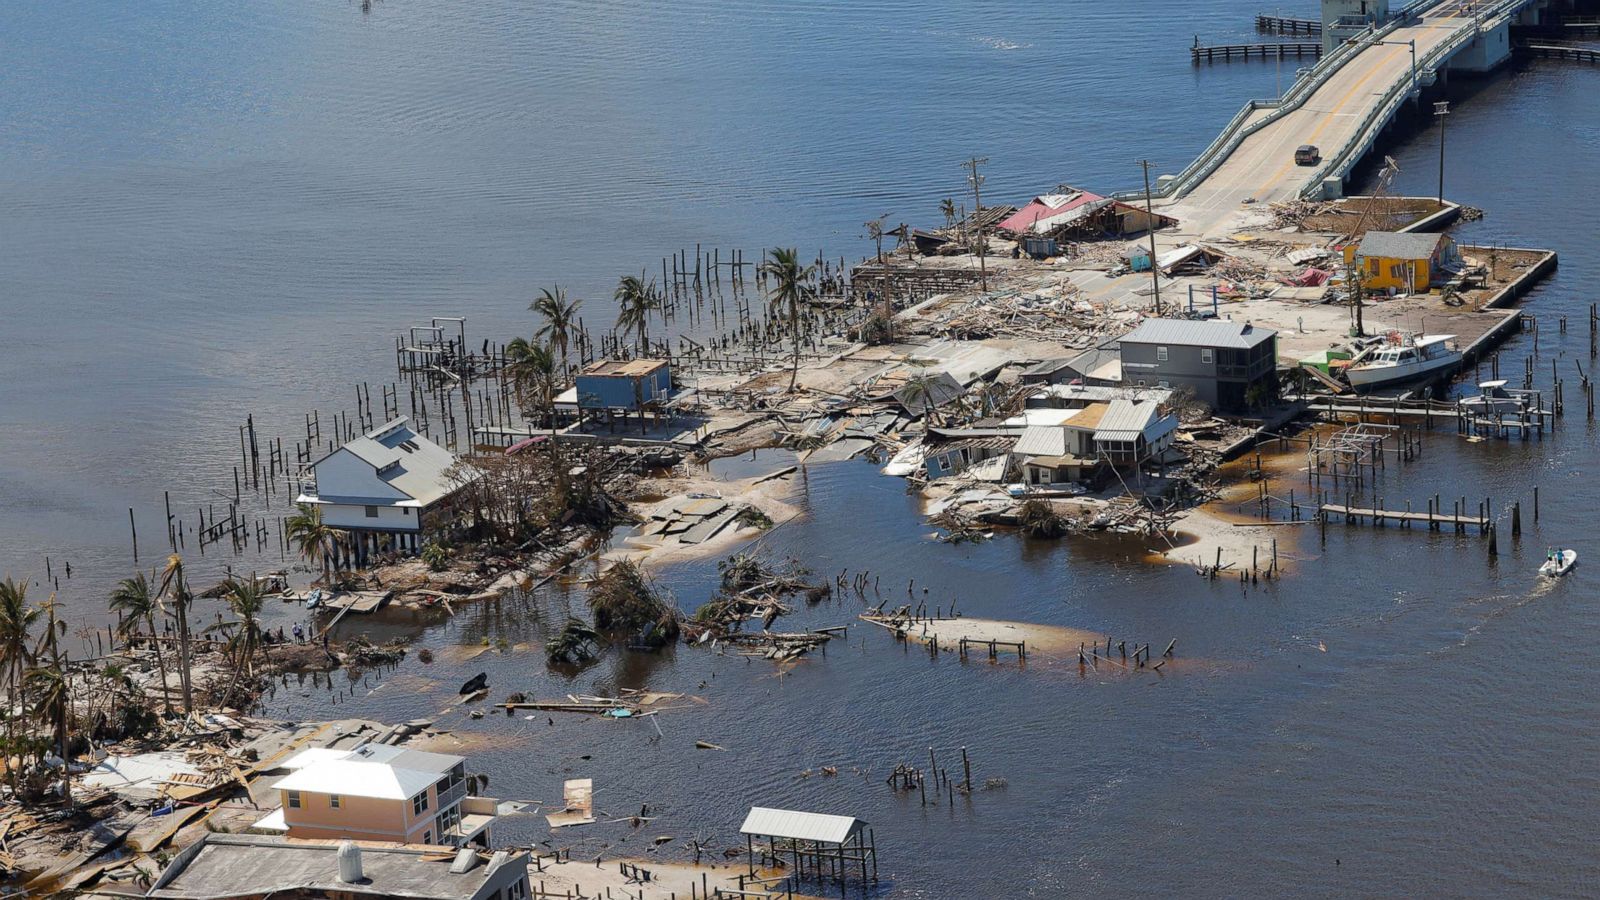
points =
(1150, 223)
(1441, 110)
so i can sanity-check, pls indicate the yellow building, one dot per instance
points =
(1403, 261)
(378, 792)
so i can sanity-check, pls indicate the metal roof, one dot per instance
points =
(407, 461)
(620, 368)
(803, 826)
(1199, 333)
(1399, 244)
(1125, 420)
(1041, 440)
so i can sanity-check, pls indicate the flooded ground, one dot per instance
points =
(209, 237)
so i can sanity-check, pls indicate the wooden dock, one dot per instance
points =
(1562, 51)
(1275, 50)
(1287, 25)
(1435, 520)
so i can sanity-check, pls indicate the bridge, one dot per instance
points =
(1341, 105)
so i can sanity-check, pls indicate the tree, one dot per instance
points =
(533, 376)
(246, 599)
(1357, 285)
(52, 694)
(792, 291)
(560, 317)
(314, 537)
(175, 585)
(637, 300)
(136, 604)
(1039, 519)
(947, 208)
(875, 233)
(16, 623)
(576, 643)
(920, 389)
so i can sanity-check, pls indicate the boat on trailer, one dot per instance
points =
(1559, 562)
(1405, 357)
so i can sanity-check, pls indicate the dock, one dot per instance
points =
(1272, 50)
(1435, 518)
(1287, 25)
(1561, 51)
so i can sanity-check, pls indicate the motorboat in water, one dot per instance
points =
(1495, 399)
(1405, 357)
(1559, 562)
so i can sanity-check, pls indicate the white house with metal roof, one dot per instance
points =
(379, 792)
(390, 482)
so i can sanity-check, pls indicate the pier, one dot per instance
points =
(1433, 518)
(1275, 50)
(1287, 25)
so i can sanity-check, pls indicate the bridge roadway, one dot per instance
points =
(1263, 167)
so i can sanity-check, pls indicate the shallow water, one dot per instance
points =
(209, 211)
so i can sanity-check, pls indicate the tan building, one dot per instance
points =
(377, 792)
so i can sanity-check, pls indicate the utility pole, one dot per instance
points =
(976, 180)
(1441, 110)
(1155, 273)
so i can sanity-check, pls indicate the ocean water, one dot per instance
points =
(214, 211)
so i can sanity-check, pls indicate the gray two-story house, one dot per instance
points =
(1229, 365)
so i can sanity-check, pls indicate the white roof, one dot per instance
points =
(379, 771)
(312, 756)
(272, 821)
(786, 823)
(1042, 440)
(407, 461)
(1125, 420)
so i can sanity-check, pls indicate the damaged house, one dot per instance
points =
(1076, 215)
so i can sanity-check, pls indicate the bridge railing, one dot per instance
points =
(1240, 128)
(1339, 163)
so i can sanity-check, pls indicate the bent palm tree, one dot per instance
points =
(247, 599)
(637, 300)
(313, 537)
(792, 289)
(136, 604)
(175, 585)
(921, 389)
(560, 316)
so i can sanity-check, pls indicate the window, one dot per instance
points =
(294, 799)
(419, 803)
(1161, 354)
(1372, 266)
(427, 837)
(372, 512)
(1207, 355)
(333, 801)
(405, 510)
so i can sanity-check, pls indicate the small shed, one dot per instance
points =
(827, 844)
(1409, 261)
(632, 385)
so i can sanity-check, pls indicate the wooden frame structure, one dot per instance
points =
(812, 845)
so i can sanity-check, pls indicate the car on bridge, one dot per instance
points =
(1307, 155)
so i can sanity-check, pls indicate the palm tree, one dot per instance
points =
(136, 604)
(52, 693)
(947, 208)
(16, 623)
(176, 586)
(560, 315)
(247, 599)
(921, 388)
(791, 292)
(533, 373)
(637, 300)
(575, 643)
(314, 537)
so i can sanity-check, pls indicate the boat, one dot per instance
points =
(314, 599)
(1495, 400)
(1405, 357)
(1559, 562)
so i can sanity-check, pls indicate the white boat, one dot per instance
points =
(1559, 562)
(1405, 357)
(1494, 400)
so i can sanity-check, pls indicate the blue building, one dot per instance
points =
(627, 386)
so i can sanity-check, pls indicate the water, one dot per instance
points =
(229, 209)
